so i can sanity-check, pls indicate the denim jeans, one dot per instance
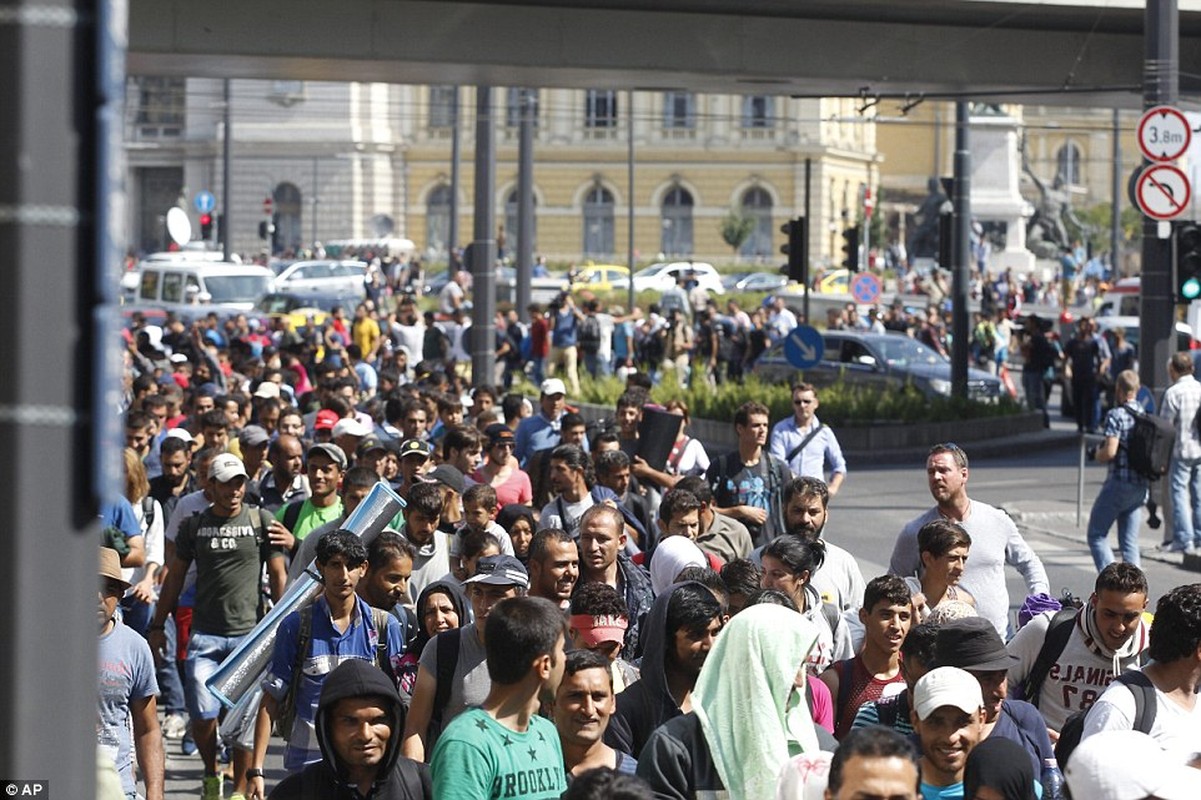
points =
(1119, 501)
(1185, 477)
(1036, 396)
(205, 654)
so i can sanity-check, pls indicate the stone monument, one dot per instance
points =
(997, 203)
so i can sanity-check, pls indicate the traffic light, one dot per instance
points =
(1188, 262)
(850, 248)
(266, 229)
(206, 227)
(946, 240)
(797, 268)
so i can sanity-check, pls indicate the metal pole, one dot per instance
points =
(1115, 213)
(630, 194)
(313, 241)
(1080, 484)
(525, 203)
(1157, 309)
(483, 260)
(808, 233)
(452, 232)
(227, 247)
(962, 251)
(62, 174)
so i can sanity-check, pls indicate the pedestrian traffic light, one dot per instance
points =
(1188, 262)
(797, 268)
(206, 227)
(265, 230)
(850, 248)
(946, 239)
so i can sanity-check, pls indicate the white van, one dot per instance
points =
(189, 287)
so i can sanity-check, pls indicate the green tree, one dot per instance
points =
(736, 228)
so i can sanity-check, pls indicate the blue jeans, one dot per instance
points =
(1185, 477)
(1119, 501)
(205, 654)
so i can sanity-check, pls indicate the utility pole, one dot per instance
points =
(452, 232)
(525, 203)
(483, 250)
(1115, 213)
(1157, 312)
(630, 194)
(227, 247)
(962, 199)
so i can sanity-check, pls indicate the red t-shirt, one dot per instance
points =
(540, 338)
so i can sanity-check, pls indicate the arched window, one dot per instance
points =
(1067, 165)
(437, 219)
(598, 222)
(676, 220)
(756, 204)
(511, 224)
(287, 220)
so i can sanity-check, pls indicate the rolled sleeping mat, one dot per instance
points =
(245, 666)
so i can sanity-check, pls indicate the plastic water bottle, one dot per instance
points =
(1052, 780)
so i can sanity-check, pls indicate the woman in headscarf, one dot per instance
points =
(749, 715)
(673, 555)
(441, 606)
(999, 769)
(518, 520)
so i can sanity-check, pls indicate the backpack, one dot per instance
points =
(292, 514)
(1145, 708)
(1149, 445)
(1058, 633)
(448, 660)
(147, 512)
(285, 718)
(589, 334)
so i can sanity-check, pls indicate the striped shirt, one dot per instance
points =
(1180, 404)
(1119, 422)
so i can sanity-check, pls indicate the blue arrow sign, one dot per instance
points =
(865, 288)
(204, 202)
(804, 347)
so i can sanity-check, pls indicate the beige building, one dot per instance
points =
(346, 161)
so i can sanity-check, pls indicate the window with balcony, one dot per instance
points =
(758, 112)
(1067, 165)
(443, 102)
(679, 114)
(160, 110)
(600, 111)
(756, 204)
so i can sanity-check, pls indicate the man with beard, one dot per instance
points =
(504, 748)
(583, 706)
(838, 580)
(175, 480)
(603, 560)
(948, 716)
(286, 481)
(554, 566)
(995, 539)
(678, 634)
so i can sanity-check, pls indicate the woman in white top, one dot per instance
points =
(687, 457)
(138, 604)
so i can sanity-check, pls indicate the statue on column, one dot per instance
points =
(923, 241)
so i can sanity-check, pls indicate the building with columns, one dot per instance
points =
(354, 161)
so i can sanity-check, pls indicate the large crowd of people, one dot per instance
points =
(578, 608)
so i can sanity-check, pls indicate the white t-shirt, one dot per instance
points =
(694, 460)
(446, 302)
(553, 518)
(1176, 729)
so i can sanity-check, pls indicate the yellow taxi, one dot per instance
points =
(600, 278)
(836, 282)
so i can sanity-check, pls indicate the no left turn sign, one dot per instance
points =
(1162, 192)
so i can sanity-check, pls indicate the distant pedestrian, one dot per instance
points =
(1124, 492)
(805, 444)
(1180, 404)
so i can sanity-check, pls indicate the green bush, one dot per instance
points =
(841, 404)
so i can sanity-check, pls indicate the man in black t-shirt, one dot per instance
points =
(229, 543)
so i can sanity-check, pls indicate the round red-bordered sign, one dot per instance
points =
(1163, 192)
(1164, 133)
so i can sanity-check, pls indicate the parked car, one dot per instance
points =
(343, 278)
(663, 275)
(836, 282)
(755, 282)
(880, 360)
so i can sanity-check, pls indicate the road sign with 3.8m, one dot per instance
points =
(1164, 133)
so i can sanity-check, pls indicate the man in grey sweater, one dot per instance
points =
(995, 539)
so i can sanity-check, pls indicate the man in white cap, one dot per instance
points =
(229, 543)
(347, 434)
(1129, 765)
(948, 718)
(542, 430)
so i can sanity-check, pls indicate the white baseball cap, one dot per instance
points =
(1128, 765)
(946, 686)
(226, 467)
(553, 386)
(349, 426)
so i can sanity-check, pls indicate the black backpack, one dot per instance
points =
(1149, 445)
(1145, 707)
(589, 334)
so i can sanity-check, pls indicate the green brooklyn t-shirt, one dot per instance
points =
(478, 758)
